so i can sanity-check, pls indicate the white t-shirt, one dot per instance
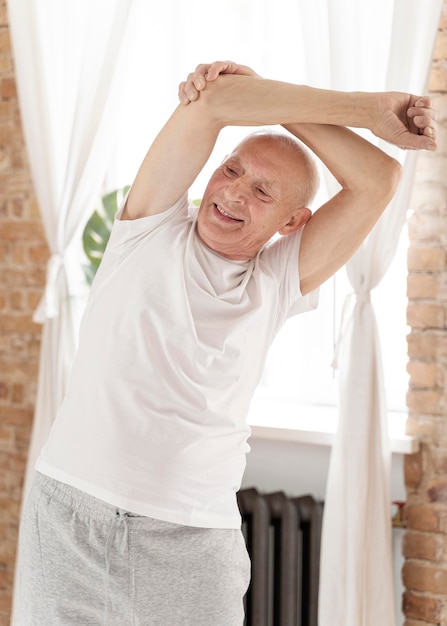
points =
(172, 345)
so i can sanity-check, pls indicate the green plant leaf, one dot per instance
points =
(97, 231)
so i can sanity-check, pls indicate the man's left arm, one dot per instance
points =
(368, 178)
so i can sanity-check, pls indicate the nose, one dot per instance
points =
(236, 190)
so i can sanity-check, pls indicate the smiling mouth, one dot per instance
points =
(221, 211)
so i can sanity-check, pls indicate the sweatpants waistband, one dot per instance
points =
(79, 501)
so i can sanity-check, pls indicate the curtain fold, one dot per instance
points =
(356, 580)
(70, 64)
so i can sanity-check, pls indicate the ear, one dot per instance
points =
(300, 217)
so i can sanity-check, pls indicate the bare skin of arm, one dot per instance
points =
(184, 144)
(368, 179)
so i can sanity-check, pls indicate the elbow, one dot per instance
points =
(395, 175)
(391, 178)
(383, 185)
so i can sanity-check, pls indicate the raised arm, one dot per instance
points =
(186, 141)
(368, 179)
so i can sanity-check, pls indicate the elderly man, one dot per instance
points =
(133, 516)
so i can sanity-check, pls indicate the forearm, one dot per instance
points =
(250, 100)
(239, 100)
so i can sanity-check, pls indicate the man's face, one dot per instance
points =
(250, 197)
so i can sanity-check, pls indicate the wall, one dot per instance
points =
(425, 541)
(23, 255)
(22, 273)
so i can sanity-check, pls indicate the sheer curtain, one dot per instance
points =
(70, 63)
(365, 46)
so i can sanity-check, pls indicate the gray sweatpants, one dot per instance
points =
(84, 562)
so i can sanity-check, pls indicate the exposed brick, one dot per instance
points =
(5, 40)
(427, 286)
(4, 390)
(419, 576)
(426, 546)
(8, 88)
(431, 167)
(19, 230)
(5, 63)
(425, 473)
(425, 373)
(426, 344)
(32, 299)
(426, 315)
(38, 253)
(438, 78)
(440, 104)
(421, 517)
(439, 460)
(437, 491)
(18, 394)
(442, 520)
(17, 416)
(17, 323)
(422, 607)
(425, 228)
(413, 470)
(17, 300)
(443, 18)
(15, 183)
(425, 401)
(426, 258)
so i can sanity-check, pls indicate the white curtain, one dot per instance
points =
(70, 62)
(365, 46)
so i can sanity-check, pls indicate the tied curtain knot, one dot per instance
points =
(48, 307)
(361, 297)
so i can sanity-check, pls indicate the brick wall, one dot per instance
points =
(425, 540)
(23, 254)
(22, 273)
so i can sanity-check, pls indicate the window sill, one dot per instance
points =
(315, 424)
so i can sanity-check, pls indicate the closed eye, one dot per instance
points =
(229, 171)
(262, 193)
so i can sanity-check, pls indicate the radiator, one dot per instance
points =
(283, 539)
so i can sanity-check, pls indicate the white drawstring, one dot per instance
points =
(120, 520)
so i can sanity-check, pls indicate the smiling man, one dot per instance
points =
(133, 514)
(261, 189)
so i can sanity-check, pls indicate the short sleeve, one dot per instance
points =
(123, 229)
(281, 257)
